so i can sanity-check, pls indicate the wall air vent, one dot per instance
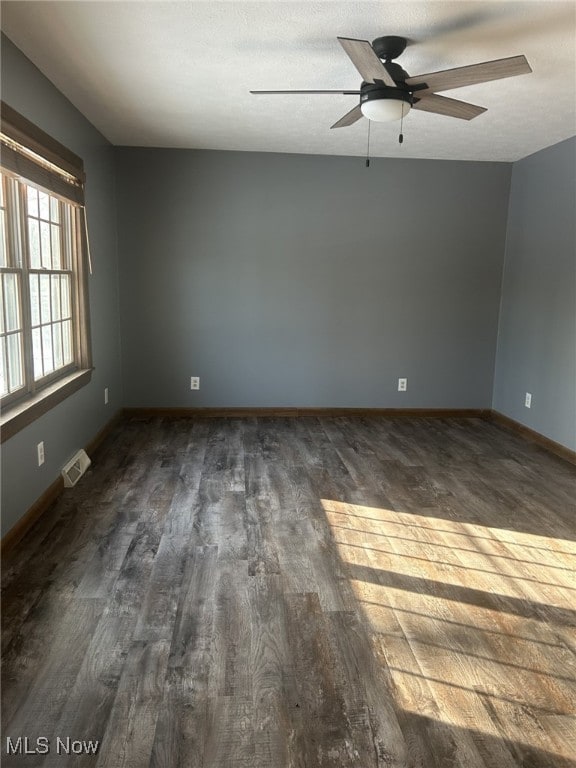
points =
(75, 468)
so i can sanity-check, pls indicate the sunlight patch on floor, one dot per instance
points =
(473, 557)
(472, 622)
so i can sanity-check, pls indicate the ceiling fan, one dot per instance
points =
(388, 92)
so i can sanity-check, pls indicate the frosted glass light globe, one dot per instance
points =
(384, 110)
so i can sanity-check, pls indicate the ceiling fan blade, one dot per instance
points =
(472, 75)
(349, 118)
(442, 105)
(344, 93)
(366, 62)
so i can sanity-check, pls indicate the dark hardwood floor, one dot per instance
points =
(299, 593)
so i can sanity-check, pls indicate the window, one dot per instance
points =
(44, 329)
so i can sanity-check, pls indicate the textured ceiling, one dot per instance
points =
(177, 74)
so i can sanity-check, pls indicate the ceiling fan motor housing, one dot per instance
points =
(396, 72)
(375, 92)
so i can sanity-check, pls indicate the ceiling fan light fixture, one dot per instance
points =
(387, 91)
(385, 110)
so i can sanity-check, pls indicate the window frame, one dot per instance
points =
(21, 407)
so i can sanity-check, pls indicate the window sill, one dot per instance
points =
(18, 416)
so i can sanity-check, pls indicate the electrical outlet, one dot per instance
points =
(402, 385)
(194, 382)
(528, 400)
(105, 395)
(40, 451)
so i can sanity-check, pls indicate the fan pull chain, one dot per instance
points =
(401, 137)
(368, 147)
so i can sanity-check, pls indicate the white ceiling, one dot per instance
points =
(177, 74)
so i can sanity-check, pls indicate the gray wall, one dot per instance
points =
(537, 330)
(77, 420)
(288, 280)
